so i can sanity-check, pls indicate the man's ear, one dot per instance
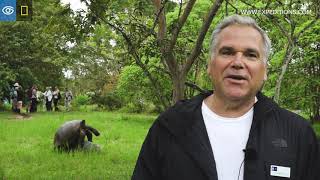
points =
(209, 67)
(266, 73)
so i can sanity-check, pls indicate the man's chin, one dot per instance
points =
(237, 95)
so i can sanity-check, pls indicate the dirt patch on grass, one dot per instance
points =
(22, 116)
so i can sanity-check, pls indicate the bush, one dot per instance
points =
(82, 100)
(133, 108)
(110, 101)
(5, 106)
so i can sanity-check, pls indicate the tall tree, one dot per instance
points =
(138, 30)
(167, 42)
(35, 51)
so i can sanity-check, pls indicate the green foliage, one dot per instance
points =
(35, 51)
(130, 107)
(302, 81)
(132, 85)
(111, 101)
(135, 88)
(58, 40)
(5, 106)
(6, 76)
(190, 30)
(82, 100)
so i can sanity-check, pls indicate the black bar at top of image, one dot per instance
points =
(24, 10)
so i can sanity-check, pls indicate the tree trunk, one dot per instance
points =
(286, 61)
(315, 96)
(178, 80)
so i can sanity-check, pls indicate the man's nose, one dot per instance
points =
(237, 62)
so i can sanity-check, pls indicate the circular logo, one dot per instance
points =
(8, 10)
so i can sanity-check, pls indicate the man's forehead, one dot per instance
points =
(240, 27)
(242, 36)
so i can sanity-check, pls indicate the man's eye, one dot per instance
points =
(251, 55)
(226, 52)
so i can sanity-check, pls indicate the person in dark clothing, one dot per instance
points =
(56, 97)
(233, 132)
(33, 106)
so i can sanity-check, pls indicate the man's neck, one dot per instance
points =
(229, 108)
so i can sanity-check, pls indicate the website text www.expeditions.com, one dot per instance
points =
(275, 11)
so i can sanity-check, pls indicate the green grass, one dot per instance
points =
(26, 146)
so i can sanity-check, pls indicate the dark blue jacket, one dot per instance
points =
(177, 146)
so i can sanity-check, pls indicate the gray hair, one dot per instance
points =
(240, 20)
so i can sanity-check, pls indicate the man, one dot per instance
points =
(18, 98)
(56, 98)
(67, 99)
(236, 132)
(14, 96)
(48, 96)
(33, 106)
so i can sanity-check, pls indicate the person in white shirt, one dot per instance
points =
(48, 97)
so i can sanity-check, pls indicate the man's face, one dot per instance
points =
(237, 68)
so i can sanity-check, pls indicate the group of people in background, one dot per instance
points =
(34, 96)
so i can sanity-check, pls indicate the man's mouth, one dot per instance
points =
(237, 77)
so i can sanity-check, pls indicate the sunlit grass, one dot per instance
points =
(27, 146)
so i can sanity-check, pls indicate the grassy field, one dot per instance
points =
(26, 146)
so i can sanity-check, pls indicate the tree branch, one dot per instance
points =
(196, 87)
(232, 6)
(180, 8)
(180, 24)
(162, 20)
(202, 33)
(307, 26)
(275, 22)
(167, 54)
(158, 13)
(133, 52)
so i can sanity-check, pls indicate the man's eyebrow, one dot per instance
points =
(230, 48)
(226, 48)
(252, 50)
